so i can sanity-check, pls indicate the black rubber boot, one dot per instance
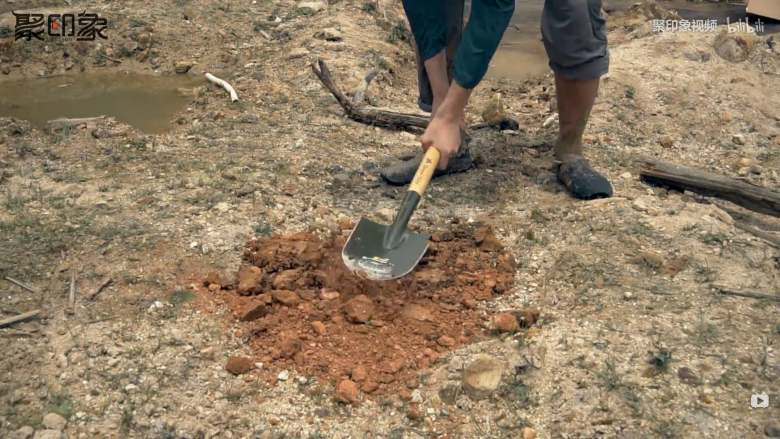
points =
(401, 173)
(582, 181)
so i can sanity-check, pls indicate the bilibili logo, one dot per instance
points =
(82, 26)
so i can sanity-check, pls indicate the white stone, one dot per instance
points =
(283, 375)
(54, 421)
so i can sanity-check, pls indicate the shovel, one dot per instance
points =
(380, 252)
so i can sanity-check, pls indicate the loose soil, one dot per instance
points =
(304, 310)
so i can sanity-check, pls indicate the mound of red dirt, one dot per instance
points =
(303, 310)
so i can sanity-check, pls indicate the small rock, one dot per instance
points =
(745, 162)
(505, 322)
(222, 207)
(318, 327)
(213, 278)
(48, 434)
(417, 312)
(414, 413)
(329, 294)
(347, 391)
(482, 376)
(25, 432)
(666, 141)
(249, 278)
(286, 297)
(309, 8)
(359, 309)
(283, 375)
(298, 52)
(772, 429)
(734, 47)
(329, 34)
(54, 421)
(626, 176)
(528, 433)
(302, 380)
(738, 139)
(446, 341)
(239, 365)
(527, 317)
(252, 311)
(688, 376)
(358, 373)
(743, 172)
(494, 111)
(182, 67)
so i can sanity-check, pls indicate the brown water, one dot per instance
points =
(521, 54)
(146, 102)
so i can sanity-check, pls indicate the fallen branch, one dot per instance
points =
(750, 294)
(773, 240)
(102, 55)
(705, 183)
(366, 114)
(359, 97)
(19, 318)
(22, 285)
(222, 83)
(100, 288)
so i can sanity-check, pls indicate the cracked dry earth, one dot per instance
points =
(632, 341)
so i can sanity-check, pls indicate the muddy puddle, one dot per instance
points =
(521, 54)
(301, 310)
(146, 102)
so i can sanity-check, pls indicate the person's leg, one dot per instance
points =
(434, 76)
(574, 35)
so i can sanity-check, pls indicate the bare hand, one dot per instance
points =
(443, 134)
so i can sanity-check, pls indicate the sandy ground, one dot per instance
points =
(632, 342)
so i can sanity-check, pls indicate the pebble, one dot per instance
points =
(283, 375)
(666, 142)
(182, 67)
(25, 432)
(298, 52)
(359, 309)
(310, 8)
(359, 373)
(347, 391)
(688, 376)
(329, 34)
(529, 433)
(446, 341)
(738, 139)
(505, 322)
(48, 434)
(482, 376)
(318, 327)
(239, 365)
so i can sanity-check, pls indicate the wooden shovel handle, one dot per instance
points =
(425, 171)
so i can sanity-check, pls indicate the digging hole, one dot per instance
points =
(302, 310)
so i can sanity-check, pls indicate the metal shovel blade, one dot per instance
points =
(366, 255)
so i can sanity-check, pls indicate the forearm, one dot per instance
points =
(453, 108)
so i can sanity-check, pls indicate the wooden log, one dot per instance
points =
(771, 239)
(18, 318)
(747, 195)
(366, 114)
